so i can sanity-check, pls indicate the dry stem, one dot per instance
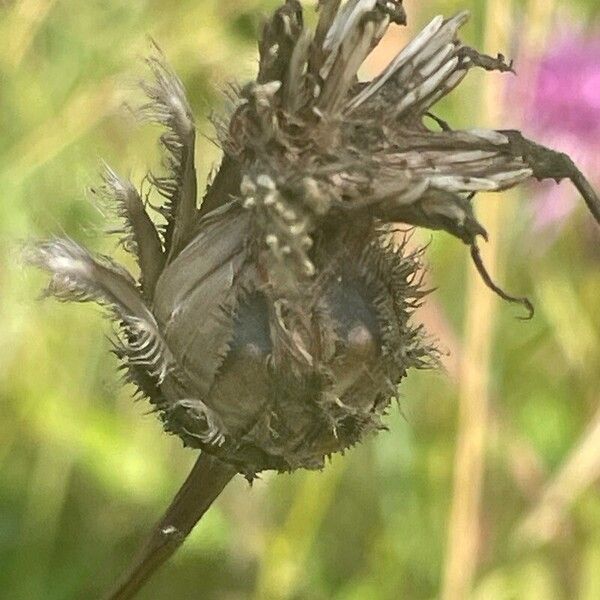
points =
(204, 484)
(464, 525)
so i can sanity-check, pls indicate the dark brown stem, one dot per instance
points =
(588, 193)
(203, 485)
(548, 164)
(489, 282)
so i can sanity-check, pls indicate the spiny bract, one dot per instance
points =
(271, 325)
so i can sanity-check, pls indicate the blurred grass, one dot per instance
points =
(84, 472)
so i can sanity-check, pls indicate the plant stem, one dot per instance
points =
(204, 484)
(464, 530)
(580, 470)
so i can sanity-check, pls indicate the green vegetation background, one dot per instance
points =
(84, 471)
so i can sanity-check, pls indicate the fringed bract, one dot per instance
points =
(139, 234)
(77, 276)
(168, 106)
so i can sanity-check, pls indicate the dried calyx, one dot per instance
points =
(271, 325)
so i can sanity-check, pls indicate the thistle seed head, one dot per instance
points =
(271, 325)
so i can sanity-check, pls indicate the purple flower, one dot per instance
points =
(567, 90)
(562, 108)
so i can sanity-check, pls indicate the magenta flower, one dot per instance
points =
(562, 109)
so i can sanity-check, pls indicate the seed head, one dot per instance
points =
(271, 325)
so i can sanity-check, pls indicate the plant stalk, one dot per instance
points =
(206, 481)
(464, 527)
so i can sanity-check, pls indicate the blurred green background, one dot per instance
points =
(84, 471)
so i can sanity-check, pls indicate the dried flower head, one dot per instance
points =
(271, 325)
